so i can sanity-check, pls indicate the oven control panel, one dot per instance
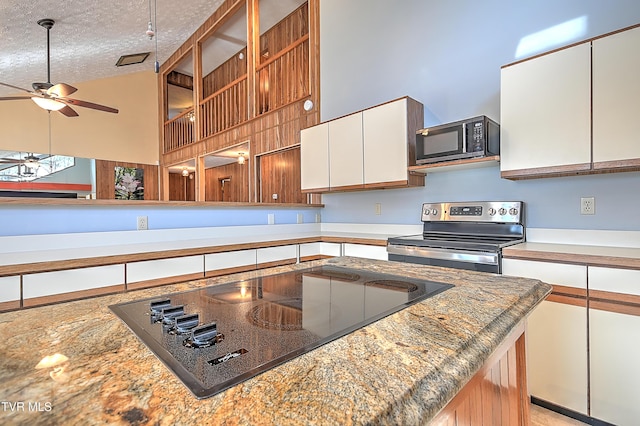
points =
(484, 211)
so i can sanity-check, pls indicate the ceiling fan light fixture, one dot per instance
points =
(136, 58)
(47, 103)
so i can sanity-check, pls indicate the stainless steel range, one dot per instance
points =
(218, 336)
(463, 235)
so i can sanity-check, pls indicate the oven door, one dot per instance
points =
(484, 261)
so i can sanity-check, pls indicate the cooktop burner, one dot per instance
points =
(216, 337)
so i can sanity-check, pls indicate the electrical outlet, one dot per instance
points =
(318, 218)
(300, 218)
(378, 208)
(271, 218)
(143, 223)
(588, 205)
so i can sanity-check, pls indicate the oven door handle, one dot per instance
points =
(487, 258)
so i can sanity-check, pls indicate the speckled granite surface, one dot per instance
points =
(400, 370)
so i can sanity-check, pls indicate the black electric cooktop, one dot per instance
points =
(216, 337)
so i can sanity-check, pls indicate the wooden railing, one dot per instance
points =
(225, 108)
(284, 78)
(178, 131)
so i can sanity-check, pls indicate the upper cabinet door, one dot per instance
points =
(616, 97)
(546, 113)
(385, 143)
(346, 152)
(314, 158)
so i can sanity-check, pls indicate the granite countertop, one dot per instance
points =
(400, 370)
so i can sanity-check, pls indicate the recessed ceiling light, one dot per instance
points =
(136, 58)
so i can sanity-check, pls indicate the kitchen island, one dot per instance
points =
(77, 363)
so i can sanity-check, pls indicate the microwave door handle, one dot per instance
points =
(464, 137)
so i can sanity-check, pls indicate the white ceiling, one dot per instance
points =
(89, 36)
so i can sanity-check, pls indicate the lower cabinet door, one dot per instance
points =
(615, 367)
(557, 355)
(366, 251)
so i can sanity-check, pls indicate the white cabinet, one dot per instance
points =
(366, 251)
(615, 345)
(616, 97)
(318, 250)
(557, 363)
(385, 160)
(229, 262)
(573, 110)
(372, 148)
(346, 152)
(280, 255)
(545, 118)
(162, 271)
(9, 292)
(314, 158)
(48, 287)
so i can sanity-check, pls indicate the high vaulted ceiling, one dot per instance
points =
(89, 36)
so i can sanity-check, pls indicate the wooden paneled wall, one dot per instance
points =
(105, 179)
(237, 190)
(280, 126)
(285, 32)
(280, 174)
(181, 188)
(231, 70)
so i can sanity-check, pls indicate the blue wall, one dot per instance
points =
(51, 219)
(447, 55)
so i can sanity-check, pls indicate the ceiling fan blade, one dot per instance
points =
(15, 87)
(13, 98)
(85, 104)
(68, 111)
(61, 90)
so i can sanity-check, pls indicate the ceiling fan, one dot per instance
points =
(30, 160)
(54, 97)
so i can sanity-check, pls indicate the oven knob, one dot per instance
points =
(502, 211)
(513, 211)
(434, 212)
(491, 211)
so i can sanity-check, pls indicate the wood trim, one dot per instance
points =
(282, 262)
(497, 393)
(456, 164)
(10, 305)
(283, 52)
(619, 308)
(46, 186)
(315, 190)
(631, 165)
(314, 257)
(357, 187)
(567, 300)
(162, 281)
(622, 303)
(573, 258)
(542, 172)
(226, 271)
(343, 240)
(569, 291)
(72, 295)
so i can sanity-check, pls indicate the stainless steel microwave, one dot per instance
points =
(474, 137)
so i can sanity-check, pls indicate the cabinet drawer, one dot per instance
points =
(311, 251)
(282, 255)
(164, 270)
(625, 281)
(49, 287)
(229, 262)
(9, 292)
(552, 273)
(366, 251)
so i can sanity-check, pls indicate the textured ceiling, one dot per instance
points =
(89, 36)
